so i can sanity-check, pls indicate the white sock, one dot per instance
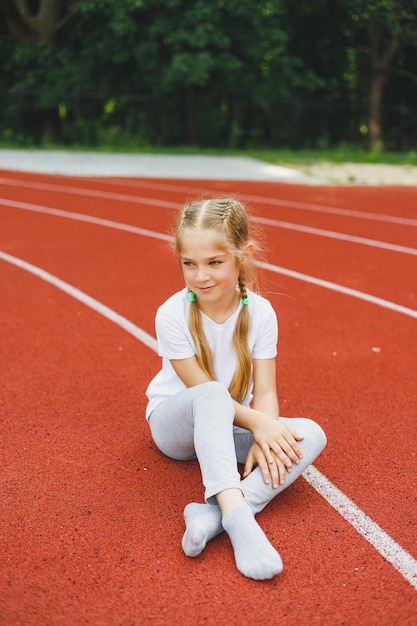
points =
(203, 522)
(255, 557)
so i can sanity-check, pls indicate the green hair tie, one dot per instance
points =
(191, 296)
(245, 301)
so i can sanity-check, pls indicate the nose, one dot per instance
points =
(201, 274)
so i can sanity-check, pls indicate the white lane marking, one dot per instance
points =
(304, 206)
(386, 304)
(81, 217)
(378, 538)
(80, 191)
(401, 560)
(318, 208)
(347, 291)
(331, 234)
(27, 206)
(97, 306)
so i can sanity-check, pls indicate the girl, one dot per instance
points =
(215, 397)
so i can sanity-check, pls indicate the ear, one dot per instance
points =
(247, 252)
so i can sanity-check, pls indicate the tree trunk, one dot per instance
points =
(43, 27)
(51, 127)
(376, 141)
(383, 49)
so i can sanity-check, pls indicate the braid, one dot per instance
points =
(242, 285)
(241, 381)
(227, 219)
(204, 356)
(226, 211)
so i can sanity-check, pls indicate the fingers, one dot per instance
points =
(273, 470)
(279, 459)
(271, 466)
(268, 469)
(257, 456)
(289, 445)
(287, 451)
(274, 465)
(282, 442)
(249, 465)
(295, 435)
(274, 458)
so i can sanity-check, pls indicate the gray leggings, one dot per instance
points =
(198, 423)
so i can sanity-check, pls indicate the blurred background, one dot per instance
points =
(225, 75)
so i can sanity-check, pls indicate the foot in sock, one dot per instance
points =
(203, 522)
(255, 557)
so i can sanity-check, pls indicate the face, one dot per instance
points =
(209, 271)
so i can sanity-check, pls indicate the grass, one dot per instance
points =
(284, 156)
(336, 155)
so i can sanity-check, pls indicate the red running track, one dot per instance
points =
(91, 511)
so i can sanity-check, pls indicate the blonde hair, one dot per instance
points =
(227, 218)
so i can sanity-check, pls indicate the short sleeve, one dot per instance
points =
(266, 332)
(174, 340)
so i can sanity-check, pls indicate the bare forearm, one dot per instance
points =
(267, 403)
(252, 418)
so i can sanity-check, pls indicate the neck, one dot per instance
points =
(221, 311)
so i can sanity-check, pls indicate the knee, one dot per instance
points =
(213, 393)
(314, 438)
(313, 434)
(213, 389)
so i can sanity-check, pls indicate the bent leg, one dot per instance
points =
(214, 447)
(258, 494)
(198, 423)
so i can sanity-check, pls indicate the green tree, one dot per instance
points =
(40, 21)
(320, 94)
(210, 65)
(232, 73)
(388, 25)
(36, 26)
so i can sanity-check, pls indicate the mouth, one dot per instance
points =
(205, 289)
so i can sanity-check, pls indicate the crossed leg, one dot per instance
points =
(198, 423)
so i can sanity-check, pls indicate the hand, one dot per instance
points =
(274, 450)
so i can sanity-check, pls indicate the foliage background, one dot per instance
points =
(227, 74)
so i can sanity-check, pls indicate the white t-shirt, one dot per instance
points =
(175, 342)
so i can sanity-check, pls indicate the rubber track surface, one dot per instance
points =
(91, 519)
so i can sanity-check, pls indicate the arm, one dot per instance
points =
(265, 398)
(189, 371)
(265, 402)
(275, 447)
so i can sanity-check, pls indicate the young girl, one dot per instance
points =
(215, 397)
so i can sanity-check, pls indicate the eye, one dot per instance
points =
(187, 263)
(215, 262)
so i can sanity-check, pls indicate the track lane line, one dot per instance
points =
(354, 293)
(402, 560)
(399, 558)
(81, 217)
(79, 295)
(347, 291)
(275, 201)
(305, 206)
(331, 234)
(259, 220)
(318, 208)
(109, 195)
